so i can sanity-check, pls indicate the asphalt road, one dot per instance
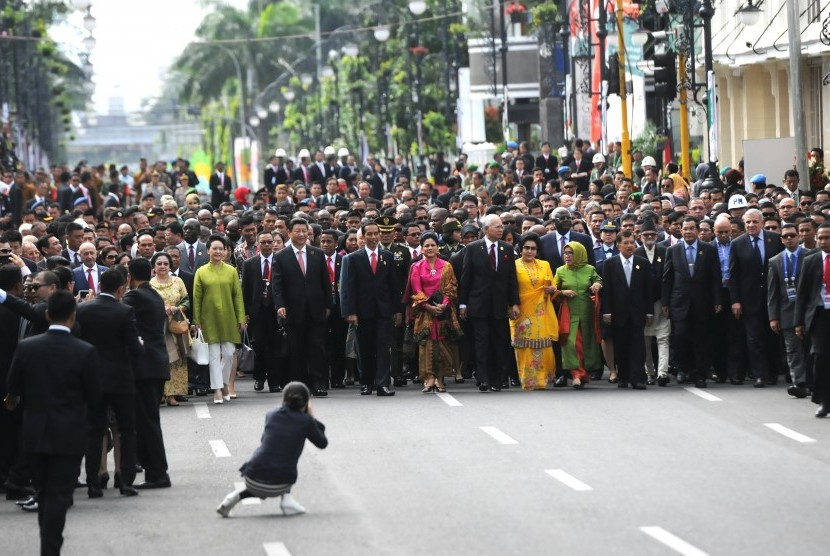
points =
(598, 471)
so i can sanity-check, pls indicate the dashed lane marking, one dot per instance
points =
(789, 433)
(568, 480)
(220, 449)
(202, 411)
(449, 399)
(702, 394)
(275, 549)
(672, 541)
(499, 436)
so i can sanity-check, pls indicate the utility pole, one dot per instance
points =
(685, 155)
(797, 103)
(319, 40)
(626, 138)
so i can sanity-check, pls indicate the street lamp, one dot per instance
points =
(81, 4)
(417, 7)
(89, 22)
(89, 42)
(749, 14)
(306, 79)
(382, 33)
(327, 72)
(254, 121)
(261, 112)
(288, 94)
(87, 69)
(274, 107)
(350, 49)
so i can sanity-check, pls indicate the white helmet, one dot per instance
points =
(343, 152)
(737, 202)
(304, 154)
(649, 161)
(328, 151)
(598, 158)
(279, 152)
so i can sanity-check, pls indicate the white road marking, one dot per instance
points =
(498, 435)
(703, 394)
(789, 433)
(675, 543)
(568, 480)
(449, 400)
(246, 501)
(220, 450)
(275, 549)
(202, 411)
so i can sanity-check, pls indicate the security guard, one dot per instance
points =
(450, 239)
(386, 225)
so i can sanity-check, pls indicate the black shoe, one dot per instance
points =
(622, 384)
(259, 386)
(720, 380)
(771, 382)
(274, 389)
(15, 491)
(30, 506)
(94, 492)
(385, 391)
(597, 375)
(320, 393)
(350, 383)
(495, 388)
(398, 382)
(515, 383)
(663, 380)
(365, 390)
(735, 382)
(638, 386)
(164, 482)
(759, 383)
(128, 491)
(822, 410)
(103, 479)
(651, 381)
(338, 386)
(181, 398)
(560, 382)
(483, 387)
(681, 377)
(700, 383)
(116, 480)
(201, 391)
(799, 391)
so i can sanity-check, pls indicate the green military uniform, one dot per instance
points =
(387, 224)
(447, 250)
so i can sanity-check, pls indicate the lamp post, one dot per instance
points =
(418, 7)
(625, 137)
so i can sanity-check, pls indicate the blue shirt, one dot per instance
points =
(723, 255)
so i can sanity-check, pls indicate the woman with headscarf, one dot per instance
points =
(681, 188)
(576, 281)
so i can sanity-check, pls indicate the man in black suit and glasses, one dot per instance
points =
(487, 294)
(55, 417)
(302, 296)
(110, 326)
(262, 315)
(369, 299)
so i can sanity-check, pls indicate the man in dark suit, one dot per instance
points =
(552, 243)
(691, 297)
(220, 186)
(660, 328)
(748, 263)
(152, 370)
(302, 297)
(194, 252)
(488, 293)
(547, 162)
(336, 327)
(369, 300)
(332, 197)
(782, 278)
(812, 315)
(729, 346)
(110, 326)
(74, 238)
(54, 418)
(87, 276)
(261, 314)
(627, 304)
(303, 171)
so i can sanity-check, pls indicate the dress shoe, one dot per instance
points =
(759, 383)
(663, 380)
(700, 383)
(622, 384)
(274, 389)
(259, 386)
(385, 391)
(560, 382)
(798, 391)
(320, 393)
(30, 506)
(822, 411)
(15, 491)
(515, 383)
(365, 390)
(638, 386)
(163, 482)
(201, 391)
(398, 382)
(651, 381)
(181, 398)
(681, 377)
(483, 387)
(495, 388)
(28, 500)
(103, 479)
(735, 382)
(94, 492)
(128, 491)
(337, 386)
(597, 375)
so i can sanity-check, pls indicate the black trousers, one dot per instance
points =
(466, 347)
(336, 330)
(820, 336)
(374, 337)
(56, 474)
(729, 345)
(307, 354)
(267, 363)
(693, 347)
(762, 346)
(123, 405)
(491, 335)
(396, 355)
(12, 459)
(149, 438)
(629, 352)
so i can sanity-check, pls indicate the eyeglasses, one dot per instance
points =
(5, 251)
(413, 234)
(110, 257)
(788, 236)
(771, 228)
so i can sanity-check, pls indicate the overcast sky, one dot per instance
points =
(136, 42)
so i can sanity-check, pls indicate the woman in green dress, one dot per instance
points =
(576, 281)
(218, 311)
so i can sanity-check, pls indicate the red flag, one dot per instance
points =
(667, 152)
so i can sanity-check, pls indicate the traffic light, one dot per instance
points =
(613, 74)
(665, 75)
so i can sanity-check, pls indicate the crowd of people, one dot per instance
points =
(532, 272)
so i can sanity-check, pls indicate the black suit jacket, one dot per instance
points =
(253, 286)
(365, 294)
(378, 185)
(335, 287)
(681, 290)
(151, 322)
(657, 266)
(747, 276)
(58, 376)
(220, 191)
(339, 201)
(488, 293)
(187, 278)
(550, 249)
(299, 175)
(16, 198)
(110, 326)
(549, 166)
(304, 297)
(810, 290)
(627, 304)
(10, 325)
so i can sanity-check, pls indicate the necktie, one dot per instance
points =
(331, 269)
(300, 261)
(91, 281)
(305, 173)
(266, 271)
(791, 266)
(373, 261)
(415, 253)
(493, 256)
(690, 258)
(627, 268)
(76, 260)
(757, 249)
(827, 275)
(191, 258)
(561, 245)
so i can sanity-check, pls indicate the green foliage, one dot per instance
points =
(649, 141)
(546, 13)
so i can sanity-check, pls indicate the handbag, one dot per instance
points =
(199, 352)
(245, 356)
(177, 323)
(564, 319)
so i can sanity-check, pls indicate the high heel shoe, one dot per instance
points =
(613, 379)
(440, 388)
(116, 480)
(103, 479)
(171, 401)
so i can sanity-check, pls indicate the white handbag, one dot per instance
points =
(199, 349)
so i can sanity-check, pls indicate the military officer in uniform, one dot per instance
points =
(386, 226)
(450, 240)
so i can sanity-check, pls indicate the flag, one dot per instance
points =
(667, 152)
